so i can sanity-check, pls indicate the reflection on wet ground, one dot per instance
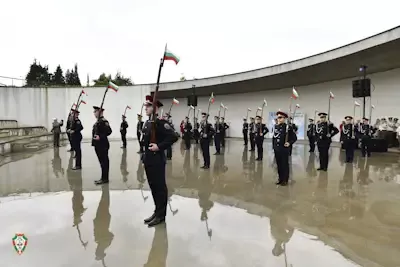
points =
(230, 215)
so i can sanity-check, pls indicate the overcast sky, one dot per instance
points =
(212, 37)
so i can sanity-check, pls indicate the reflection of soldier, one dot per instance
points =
(346, 184)
(141, 179)
(56, 163)
(186, 165)
(258, 175)
(159, 248)
(123, 167)
(75, 184)
(280, 229)
(205, 188)
(310, 169)
(101, 224)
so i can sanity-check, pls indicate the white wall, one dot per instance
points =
(37, 106)
(385, 97)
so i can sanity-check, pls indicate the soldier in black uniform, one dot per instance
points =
(283, 137)
(311, 135)
(154, 160)
(101, 131)
(324, 132)
(349, 138)
(187, 132)
(206, 132)
(123, 127)
(223, 131)
(295, 128)
(101, 225)
(261, 131)
(76, 138)
(217, 137)
(139, 127)
(70, 120)
(245, 131)
(252, 132)
(168, 118)
(196, 133)
(366, 132)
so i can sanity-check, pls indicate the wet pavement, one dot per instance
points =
(230, 215)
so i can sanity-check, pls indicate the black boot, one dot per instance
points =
(156, 221)
(148, 220)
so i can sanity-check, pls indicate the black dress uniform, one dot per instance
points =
(218, 135)
(206, 132)
(76, 138)
(282, 133)
(102, 129)
(324, 133)
(124, 126)
(187, 132)
(169, 149)
(295, 128)
(349, 139)
(68, 127)
(223, 131)
(245, 131)
(365, 132)
(154, 163)
(196, 132)
(311, 135)
(261, 131)
(139, 127)
(252, 132)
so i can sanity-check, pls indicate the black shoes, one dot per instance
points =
(322, 169)
(100, 182)
(217, 153)
(77, 168)
(153, 220)
(281, 183)
(152, 217)
(205, 167)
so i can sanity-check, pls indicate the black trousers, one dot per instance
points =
(252, 142)
(365, 150)
(260, 149)
(282, 162)
(245, 137)
(223, 139)
(76, 146)
(217, 142)
(323, 155)
(102, 155)
(205, 148)
(196, 135)
(70, 141)
(138, 135)
(186, 137)
(155, 172)
(56, 139)
(169, 152)
(311, 140)
(123, 137)
(350, 146)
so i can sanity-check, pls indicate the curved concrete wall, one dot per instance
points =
(385, 97)
(38, 106)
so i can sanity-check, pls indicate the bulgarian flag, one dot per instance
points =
(356, 104)
(212, 99)
(331, 95)
(83, 102)
(295, 95)
(113, 86)
(175, 101)
(83, 92)
(168, 55)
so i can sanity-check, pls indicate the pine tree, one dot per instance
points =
(68, 77)
(58, 77)
(77, 81)
(38, 75)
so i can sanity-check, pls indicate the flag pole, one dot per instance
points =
(153, 138)
(170, 108)
(329, 107)
(125, 110)
(290, 107)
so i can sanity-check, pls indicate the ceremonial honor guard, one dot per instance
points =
(168, 118)
(349, 138)
(76, 139)
(261, 131)
(101, 131)
(217, 137)
(252, 128)
(365, 132)
(295, 128)
(158, 135)
(70, 120)
(283, 137)
(187, 131)
(324, 132)
(196, 133)
(139, 127)
(245, 131)
(206, 132)
(124, 126)
(223, 131)
(311, 135)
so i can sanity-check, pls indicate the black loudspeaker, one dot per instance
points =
(192, 100)
(362, 88)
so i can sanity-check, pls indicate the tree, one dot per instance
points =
(77, 81)
(38, 75)
(119, 80)
(58, 77)
(68, 77)
(72, 77)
